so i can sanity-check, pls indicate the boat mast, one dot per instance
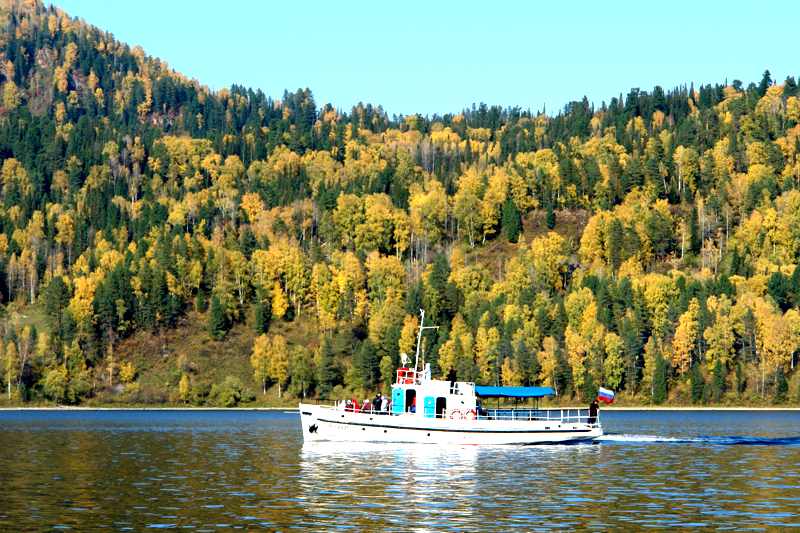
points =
(422, 327)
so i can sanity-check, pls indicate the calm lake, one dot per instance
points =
(206, 470)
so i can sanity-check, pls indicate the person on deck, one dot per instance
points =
(479, 408)
(376, 403)
(384, 404)
(413, 408)
(594, 407)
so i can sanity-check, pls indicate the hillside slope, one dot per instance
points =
(161, 242)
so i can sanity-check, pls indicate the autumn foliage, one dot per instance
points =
(133, 198)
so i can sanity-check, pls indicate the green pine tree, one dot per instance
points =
(660, 380)
(694, 232)
(779, 287)
(367, 364)
(217, 321)
(589, 389)
(697, 384)
(550, 217)
(741, 379)
(781, 386)
(326, 370)
(794, 287)
(718, 382)
(613, 243)
(262, 316)
(512, 221)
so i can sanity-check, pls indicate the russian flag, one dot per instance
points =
(605, 395)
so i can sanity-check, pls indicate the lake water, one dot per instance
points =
(207, 470)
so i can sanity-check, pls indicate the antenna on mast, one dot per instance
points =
(422, 327)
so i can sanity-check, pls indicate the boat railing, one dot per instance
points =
(561, 416)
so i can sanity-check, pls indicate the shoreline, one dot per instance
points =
(296, 409)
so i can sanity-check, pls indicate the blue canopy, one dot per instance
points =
(513, 392)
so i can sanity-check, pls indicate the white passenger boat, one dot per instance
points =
(450, 412)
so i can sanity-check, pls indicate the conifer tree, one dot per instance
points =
(781, 386)
(697, 384)
(366, 364)
(695, 241)
(613, 243)
(717, 382)
(794, 286)
(326, 368)
(589, 389)
(659, 380)
(779, 287)
(550, 216)
(262, 316)
(740, 380)
(511, 221)
(387, 369)
(217, 321)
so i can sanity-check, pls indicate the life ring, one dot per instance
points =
(472, 414)
(455, 414)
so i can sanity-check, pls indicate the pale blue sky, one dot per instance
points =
(440, 56)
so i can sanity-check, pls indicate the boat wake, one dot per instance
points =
(714, 440)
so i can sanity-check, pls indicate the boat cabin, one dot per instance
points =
(415, 392)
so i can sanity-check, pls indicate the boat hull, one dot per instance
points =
(320, 423)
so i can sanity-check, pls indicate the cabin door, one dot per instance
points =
(411, 400)
(441, 407)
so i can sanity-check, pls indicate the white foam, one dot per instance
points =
(637, 438)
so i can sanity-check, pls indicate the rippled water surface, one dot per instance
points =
(207, 470)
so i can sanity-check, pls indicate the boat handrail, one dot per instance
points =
(556, 415)
(569, 415)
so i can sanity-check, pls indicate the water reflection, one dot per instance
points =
(405, 485)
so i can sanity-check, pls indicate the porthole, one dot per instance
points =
(384, 431)
(363, 429)
(429, 434)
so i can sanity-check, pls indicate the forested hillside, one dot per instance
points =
(648, 244)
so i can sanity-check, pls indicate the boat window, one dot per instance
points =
(411, 400)
(441, 407)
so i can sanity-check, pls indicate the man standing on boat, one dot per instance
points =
(594, 407)
(384, 404)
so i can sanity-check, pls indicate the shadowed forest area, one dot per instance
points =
(164, 243)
